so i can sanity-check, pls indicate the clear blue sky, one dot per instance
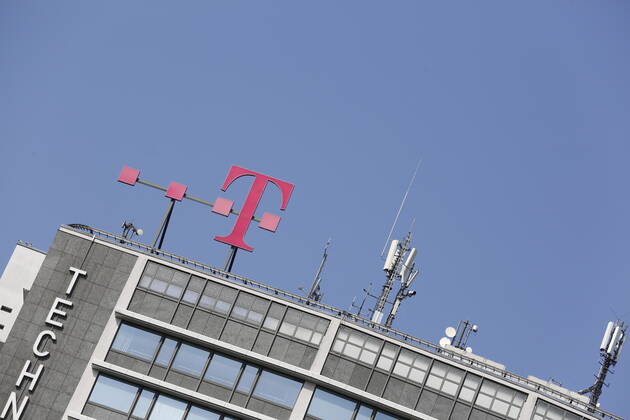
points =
(519, 111)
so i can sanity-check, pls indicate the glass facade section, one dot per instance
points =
(213, 374)
(417, 381)
(547, 411)
(326, 405)
(116, 399)
(138, 342)
(229, 314)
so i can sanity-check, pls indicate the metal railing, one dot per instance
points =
(347, 316)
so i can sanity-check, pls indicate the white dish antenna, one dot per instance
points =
(450, 332)
(468, 349)
(444, 341)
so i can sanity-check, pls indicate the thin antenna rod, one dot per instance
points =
(402, 204)
(315, 293)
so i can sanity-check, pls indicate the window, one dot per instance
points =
(136, 342)
(113, 394)
(217, 298)
(387, 357)
(223, 371)
(357, 345)
(412, 366)
(326, 405)
(278, 389)
(469, 388)
(164, 280)
(167, 408)
(143, 404)
(247, 379)
(547, 411)
(303, 326)
(500, 399)
(190, 360)
(250, 308)
(166, 352)
(445, 378)
(197, 413)
(194, 289)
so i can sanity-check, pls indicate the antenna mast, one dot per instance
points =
(315, 291)
(609, 350)
(396, 267)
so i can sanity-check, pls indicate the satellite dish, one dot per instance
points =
(468, 349)
(450, 332)
(444, 341)
(140, 232)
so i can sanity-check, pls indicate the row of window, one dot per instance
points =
(225, 313)
(204, 371)
(415, 380)
(326, 405)
(113, 399)
(547, 411)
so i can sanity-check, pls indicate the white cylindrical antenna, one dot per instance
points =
(391, 256)
(408, 264)
(607, 334)
(614, 340)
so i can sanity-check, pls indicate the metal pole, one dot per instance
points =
(164, 225)
(229, 261)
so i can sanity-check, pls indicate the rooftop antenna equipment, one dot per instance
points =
(459, 337)
(315, 293)
(609, 350)
(398, 266)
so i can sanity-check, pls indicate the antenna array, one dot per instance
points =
(399, 265)
(609, 351)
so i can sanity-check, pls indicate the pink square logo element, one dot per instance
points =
(176, 191)
(222, 206)
(269, 222)
(128, 175)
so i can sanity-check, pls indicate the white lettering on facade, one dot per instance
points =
(46, 333)
(12, 404)
(34, 377)
(75, 276)
(55, 311)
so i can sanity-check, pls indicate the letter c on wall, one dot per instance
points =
(46, 333)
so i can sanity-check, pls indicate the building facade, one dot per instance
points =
(99, 327)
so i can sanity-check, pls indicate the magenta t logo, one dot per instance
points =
(268, 221)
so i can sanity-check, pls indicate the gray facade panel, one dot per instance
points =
(93, 300)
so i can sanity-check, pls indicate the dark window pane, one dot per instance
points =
(114, 394)
(190, 360)
(167, 408)
(326, 405)
(136, 342)
(166, 352)
(142, 406)
(223, 371)
(198, 413)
